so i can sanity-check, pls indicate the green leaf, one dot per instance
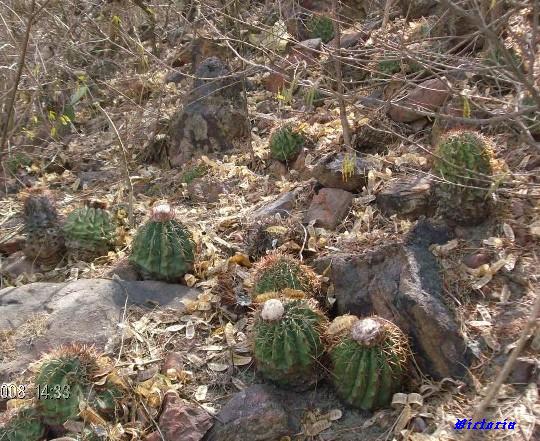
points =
(79, 93)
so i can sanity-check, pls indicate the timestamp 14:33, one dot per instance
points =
(9, 391)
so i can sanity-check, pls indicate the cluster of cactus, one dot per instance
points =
(44, 239)
(163, 248)
(286, 143)
(90, 230)
(290, 335)
(63, 381)
(368, 360)
(23, 424)
(287, 342)
(463, 163)
(276, 272)
(321, 27)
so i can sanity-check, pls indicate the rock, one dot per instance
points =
(12, 244)
(413, 9)
(255, 414)
(476, 260)
(124, 270)
(174, 76)
(282, 205)
(173, 360)
(328, 172)
(375, 135)
(401, 283)
(409, 196)
(212, 117)
(205, 189)
(329, 207)
(182, 421)
(349, 39)
(18, 264)
(85, 311)
(266, 413)
(427, 96)
(524, 371)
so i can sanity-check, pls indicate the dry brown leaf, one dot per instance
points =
(317, 427)
(241, 259)
(218, 367)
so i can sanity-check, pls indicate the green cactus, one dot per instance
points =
(89, 231)
(163, 248)
(105, 399)
(64, 379)
(24, 425)
(321, 27)
(368, 361)
(286, 144)
(287, 342)
(463, 164)
(276, 272)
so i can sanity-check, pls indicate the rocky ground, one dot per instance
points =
(176, 133)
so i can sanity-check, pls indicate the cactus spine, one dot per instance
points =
(287, 342)
(276, 272)
(286, 144)
(89, 231)
(368, 358)
(24, 425)
(463, 164)
(163, 248)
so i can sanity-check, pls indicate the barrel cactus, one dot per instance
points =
(64, 378)
(22, 424)
(287, 342)
(276, 272)
(463, 164)
(286, 143)
(321, 27)
(163, 248)
(44, 238)
(90, 231)
(368, 360)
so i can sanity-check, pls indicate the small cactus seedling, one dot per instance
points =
(463, 164)
(24, 425)
(44, 238)
(368, 360)
(286, 144)
(276, 272)
(287, 342)
(163, 248)
(321, 27)
(64, 379)
(90, 231)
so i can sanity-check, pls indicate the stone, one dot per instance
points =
(476, 260)
(18, 264)
(413, 9)
(282, 205)
(182, 421)
(84, 311)
(429, 96)
(211, 118)
(401, 282)
(408, 196)
(253, 414)
(173, 360)
(263, 412)
(329, 207)
(12, 244)
(524, 371)
(124, 270)
(206, 190)
(328, 172)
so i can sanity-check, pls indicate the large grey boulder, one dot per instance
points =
(41, 316)
(401, 283)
